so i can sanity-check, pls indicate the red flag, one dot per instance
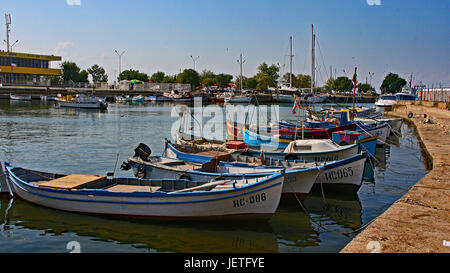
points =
(294, 109)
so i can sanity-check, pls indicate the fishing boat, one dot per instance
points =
(344, 175)
(205, 168)
(83, 101)
(280, 139)
(137, 99)
(18, 97)
(161, 198)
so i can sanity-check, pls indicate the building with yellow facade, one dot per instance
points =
(27, 69)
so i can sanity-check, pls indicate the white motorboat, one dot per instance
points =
(83, 101)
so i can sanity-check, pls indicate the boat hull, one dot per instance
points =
(96, 105)
(259, 200)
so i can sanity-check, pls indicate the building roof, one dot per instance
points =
(30, 56)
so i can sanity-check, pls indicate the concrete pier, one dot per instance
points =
(419, 222)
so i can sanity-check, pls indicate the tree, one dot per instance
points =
(267, 76)
(83, 76)
(98, 73)
(223, 80)
(208, 78)
(70, 71)
(392, 83)
(365, 87)
(169, 79)
(189, 76)
(342, 84)
(158, 77)
(287, 78)
(133, 75)
(329, 84)
(264, 81)
(302, 81)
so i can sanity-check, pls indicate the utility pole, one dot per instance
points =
(195, 59)
(120, 60)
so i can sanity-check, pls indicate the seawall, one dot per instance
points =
(419, 222)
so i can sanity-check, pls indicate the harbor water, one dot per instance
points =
(42, 136)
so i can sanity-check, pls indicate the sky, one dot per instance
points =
(376, 36)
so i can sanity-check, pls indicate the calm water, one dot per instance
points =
(45, 137)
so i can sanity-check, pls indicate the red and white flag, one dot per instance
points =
(294, 109)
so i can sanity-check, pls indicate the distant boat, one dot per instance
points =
(386, 101)
(139, 98)
(83, 101)
(48, 98)
(237, 99)
(250, 198)
(283, 98)
(17, 97)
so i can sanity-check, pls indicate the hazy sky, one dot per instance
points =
(377, 36)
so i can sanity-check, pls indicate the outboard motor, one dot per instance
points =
(142, 151)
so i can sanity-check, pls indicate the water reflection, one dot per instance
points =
(151, 235)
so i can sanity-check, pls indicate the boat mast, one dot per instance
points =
(290, 71)
(313, 68)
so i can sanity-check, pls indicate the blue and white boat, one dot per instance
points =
(252, 198)
(339, 176)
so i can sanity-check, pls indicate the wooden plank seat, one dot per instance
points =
(131, 188)
(71, 182)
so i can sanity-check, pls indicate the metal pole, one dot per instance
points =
(290, 55)
(120, 60)
(195, 59)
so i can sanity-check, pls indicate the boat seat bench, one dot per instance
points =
(72, 182)
(131, 188)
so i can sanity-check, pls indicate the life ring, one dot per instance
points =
(141, 171)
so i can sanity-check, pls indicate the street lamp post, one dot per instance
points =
(120, 60)
(11, 63)
(195, 59)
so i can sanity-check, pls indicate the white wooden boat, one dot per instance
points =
(48, 98)
(17, 97)
(343, 176)
(382, 131)
(84, 101)
(164, 198)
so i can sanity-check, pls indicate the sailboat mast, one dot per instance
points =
(313, 68)
(240, 75)
(290, 71)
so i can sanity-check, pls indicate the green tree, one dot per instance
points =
(83, 76)
(189, 76)
(158, 77)
(133, 75)
(98, 73)
(223, 80)
(365, 87)
(207, 78)
(329, 85)
(70, 71)
(287, 79)
(169, 79)
(302, 81)
(267, 76)
(342, 84)
(392, 83)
